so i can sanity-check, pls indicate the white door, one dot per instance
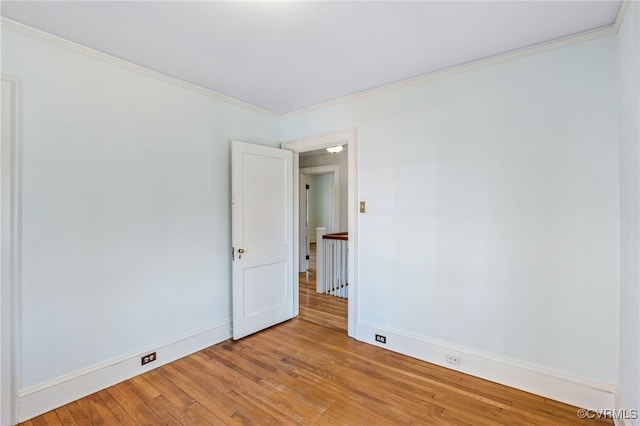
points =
(262, 237)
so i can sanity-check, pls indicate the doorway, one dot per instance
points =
(348, 139)
(320, 201)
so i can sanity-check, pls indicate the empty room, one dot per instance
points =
(310, 212)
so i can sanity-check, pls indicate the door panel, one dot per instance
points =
(264, 193)
(262, 236)
(264, 288)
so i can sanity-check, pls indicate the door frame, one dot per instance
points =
(313, 171)
(10, 278)
(344, 137)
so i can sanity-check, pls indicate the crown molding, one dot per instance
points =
(471, 66)
(622, 12)
(34, 33)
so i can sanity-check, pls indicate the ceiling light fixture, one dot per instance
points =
(335, 149)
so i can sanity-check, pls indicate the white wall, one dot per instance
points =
(629, 70)
(126, 224)
(493, 209)
(320, 203)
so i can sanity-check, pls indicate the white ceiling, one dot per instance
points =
(284, 56)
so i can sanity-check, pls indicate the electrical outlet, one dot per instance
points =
(148, 358)
(381, 339)
(453, 359)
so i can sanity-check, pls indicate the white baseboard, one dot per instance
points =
(530, 378)
(45, 397)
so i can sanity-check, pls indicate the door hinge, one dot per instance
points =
(307, 257)
(233, 254)
(307, 186)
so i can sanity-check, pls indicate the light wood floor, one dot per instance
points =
(307, 371)
(320, 308)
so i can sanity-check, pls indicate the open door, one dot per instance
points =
(262, 237)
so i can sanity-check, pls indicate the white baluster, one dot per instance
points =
(320, 260)
(341, 271)
(329, 276)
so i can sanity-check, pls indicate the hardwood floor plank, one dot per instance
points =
(96, 411)
(155, 403)
(277, 406)
(50, 418)
(210, 397)
(274, 383)
(343, 388)
(65, 416)
(215, 397)
(138, 410)
(196, 414)
(165, 388)
(79, 416)
(116, 409)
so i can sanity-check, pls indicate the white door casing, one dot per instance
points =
(262, 237)
(9, 201)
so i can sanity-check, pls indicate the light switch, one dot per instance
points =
(363, 206)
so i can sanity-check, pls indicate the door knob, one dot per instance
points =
(240, 251)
